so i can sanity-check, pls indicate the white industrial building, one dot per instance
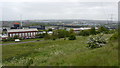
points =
(23, 33)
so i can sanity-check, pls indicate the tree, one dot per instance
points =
(92, 31)
(61, 33)
(71, 31)
(72, 37)
(50, 29)
(84, 33)
(102, 29)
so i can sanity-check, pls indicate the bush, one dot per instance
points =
(50, 29)
(61, 33)
(40, 35)
(111, 31)
(72, 32)
(92, 31)
(10, 39)
(30, 61)
(114, 36)
(53, 37)
(72, 37)
(84, 33)
(103, 29)
(47, 37)
(96, 42)
(16, 37)
(4, 40)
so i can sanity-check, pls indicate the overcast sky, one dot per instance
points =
(59, 10)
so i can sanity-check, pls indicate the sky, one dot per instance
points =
(58, 9)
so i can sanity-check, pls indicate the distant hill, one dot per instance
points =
(52, 21)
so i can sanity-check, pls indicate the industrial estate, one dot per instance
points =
(22, 31)
(59, 43)
(59, 34)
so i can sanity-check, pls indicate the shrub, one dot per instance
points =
(103, 29)
(111, 31)
(40, 35)
(53, 37)
(47, 37)
(61, 33)
(92, 31)
(72, 37)
(50, 29)
(16, 37)
(114, 36)
(84, 33)
(71, 32)
(10, 39)
(96, 42)
(4, 40)
(29, 62)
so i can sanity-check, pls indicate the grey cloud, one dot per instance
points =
(59, 10)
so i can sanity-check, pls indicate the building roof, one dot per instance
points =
(77, 29)
(21, 30)
(16, 23)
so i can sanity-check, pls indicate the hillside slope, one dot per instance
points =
(61, 52)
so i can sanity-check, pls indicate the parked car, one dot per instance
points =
(17, 40)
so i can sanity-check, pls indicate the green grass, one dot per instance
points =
(60, 52)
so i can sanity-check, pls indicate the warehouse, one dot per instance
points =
(23, 33)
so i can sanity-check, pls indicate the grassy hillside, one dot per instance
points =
(60, 52)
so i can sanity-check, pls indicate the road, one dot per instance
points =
(20, 42)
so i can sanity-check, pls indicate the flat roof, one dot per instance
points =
(21, 30)
(81, 28)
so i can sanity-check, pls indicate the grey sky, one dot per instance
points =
(59, 10)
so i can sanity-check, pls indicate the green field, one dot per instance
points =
(60, 52)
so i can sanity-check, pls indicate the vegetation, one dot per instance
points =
(72, 37)
(103, 29)
(96, 42)
(114, 36)
(41, 35)
(49, 29)
(84, 33)
(62, 33)
(55, 50)
(11, 38)
(16, 37)
(93, 31)
(61, 52)
(47, 37)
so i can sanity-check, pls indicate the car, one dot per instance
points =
(17, 40)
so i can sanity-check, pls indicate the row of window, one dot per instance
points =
(24, 34)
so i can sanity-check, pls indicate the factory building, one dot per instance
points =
(23, 33)
(40, 27)
(16, 26)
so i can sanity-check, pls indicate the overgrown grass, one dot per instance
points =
(61, 52)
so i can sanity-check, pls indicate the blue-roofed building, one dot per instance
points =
(40, 27)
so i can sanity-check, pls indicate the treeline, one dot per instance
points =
(57, 34)
(71, 34)
(93, 31)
